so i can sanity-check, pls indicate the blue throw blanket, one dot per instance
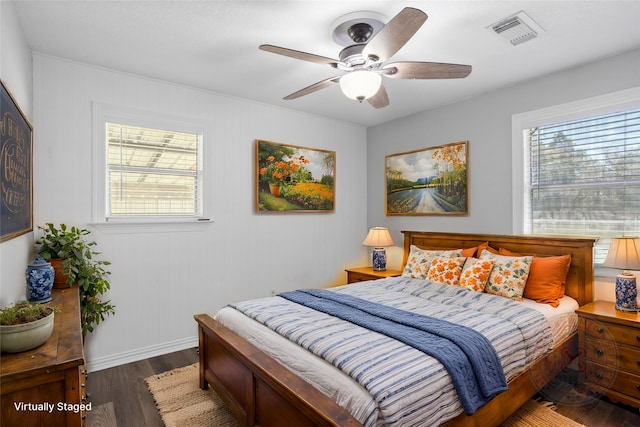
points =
(467, 355)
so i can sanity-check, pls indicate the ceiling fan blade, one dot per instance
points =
(395, 34)
(380, 99)
(317, 59)
(426, 70)
(313, 88)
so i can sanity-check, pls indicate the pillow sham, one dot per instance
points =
(419, 261)
(446, 270)
(469, 252)
(475, 273)
(547, 278)
(508, 276)
(485, 247)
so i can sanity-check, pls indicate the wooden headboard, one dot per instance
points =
(579, 279)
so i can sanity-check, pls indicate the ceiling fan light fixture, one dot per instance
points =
(342, 27)
(360, 84)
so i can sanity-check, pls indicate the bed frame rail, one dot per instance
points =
(257, 389)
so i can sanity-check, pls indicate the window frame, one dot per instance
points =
(103, 114)
(609, 103)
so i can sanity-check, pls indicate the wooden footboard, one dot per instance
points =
(256, 388)
(261, 392)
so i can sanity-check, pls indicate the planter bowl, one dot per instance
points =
(17, 338)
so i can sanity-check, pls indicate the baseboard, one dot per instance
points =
(118, 359)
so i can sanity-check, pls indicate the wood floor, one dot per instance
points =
(119, 397)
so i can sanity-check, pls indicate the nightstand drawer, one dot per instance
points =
(622, 334)
(627, 384)
(354, 277)
(629, 359)
(600, 376)
(608, 353)
(602, 351)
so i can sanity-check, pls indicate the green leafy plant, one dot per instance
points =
(78, 262)
(24, 312)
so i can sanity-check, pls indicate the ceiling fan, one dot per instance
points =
(364, 61)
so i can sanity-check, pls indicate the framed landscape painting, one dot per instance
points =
(16, 199)
(290, 178)
(432, 181)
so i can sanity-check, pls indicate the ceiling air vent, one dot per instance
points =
(518, 28)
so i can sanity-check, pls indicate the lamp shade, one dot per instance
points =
(624, 253)
(378, 237)
(360, 84)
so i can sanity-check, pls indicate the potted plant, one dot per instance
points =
(65, 248)
(25, 326)
(77, 254)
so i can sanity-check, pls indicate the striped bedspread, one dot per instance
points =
(408, 387)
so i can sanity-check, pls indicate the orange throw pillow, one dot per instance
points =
(469, 252)
(547, 278)
(485, 247)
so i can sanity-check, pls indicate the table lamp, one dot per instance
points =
(378, 237)
(624, 253)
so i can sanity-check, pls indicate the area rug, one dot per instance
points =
(538, 414)
(181, 403)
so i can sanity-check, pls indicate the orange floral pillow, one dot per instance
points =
(475, 273)
(419, 261)
(446, 270)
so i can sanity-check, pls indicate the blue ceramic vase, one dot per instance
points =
(626, 292)
(379, 259)
(39, 280)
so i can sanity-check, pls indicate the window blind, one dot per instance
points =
(583, 178)
(152, 172)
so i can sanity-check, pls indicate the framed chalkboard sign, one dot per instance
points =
(16, 162)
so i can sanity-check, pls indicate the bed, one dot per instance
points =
(260, 390)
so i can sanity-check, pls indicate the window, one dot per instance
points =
(151, 169)
(582, 177)
(152, 172)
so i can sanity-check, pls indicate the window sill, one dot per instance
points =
(611, 273)
(171, 226)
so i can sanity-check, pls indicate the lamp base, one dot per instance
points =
(379, 259)
(626, 292)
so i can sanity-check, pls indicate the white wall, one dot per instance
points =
(161, 279)
(16, 72)
(485, 121)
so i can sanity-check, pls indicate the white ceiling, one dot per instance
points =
(213, 45)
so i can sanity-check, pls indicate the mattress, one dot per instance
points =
(439, 402)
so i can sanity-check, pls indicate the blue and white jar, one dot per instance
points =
(626, 292)
(39, 280)
(379, 259)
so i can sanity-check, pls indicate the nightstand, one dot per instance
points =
(361, 274)
(609, 354)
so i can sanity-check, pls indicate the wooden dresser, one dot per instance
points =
(46, 385)
(609, 342)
